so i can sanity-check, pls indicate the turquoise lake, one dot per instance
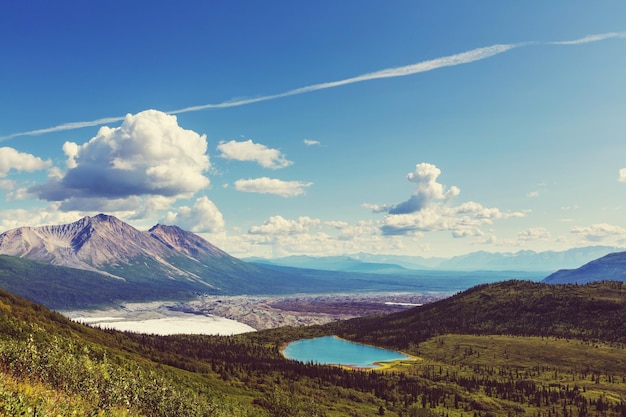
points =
(331, 350)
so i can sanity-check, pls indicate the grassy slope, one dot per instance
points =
(465, 368)
(61, 288)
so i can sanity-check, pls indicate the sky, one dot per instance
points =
(420, 128)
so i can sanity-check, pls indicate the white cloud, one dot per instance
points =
(278, 225)
(266, 185)
(599, 232)
(7, 185)
(377, 208)
(533, 194)
(310, 142)
(429, 209)
(534, 233)
(11, 159)
(148, 155)
(253, 152)
(591, 38)
(18, 194)
(204, 216)
(361, 230)
(622, 175)
(427, 190)
(14, 218)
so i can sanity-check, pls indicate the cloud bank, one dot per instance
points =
(424, 66)
(278, 225)
(600, 232)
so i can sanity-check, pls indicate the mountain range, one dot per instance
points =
(525, 260)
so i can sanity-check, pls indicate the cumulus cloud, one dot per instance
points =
(148, 155)
(599, 232)
(427, 190)
(310, 142)
(204, 216)
(533, 194)
(429, 209)
(278, 225)
(622, 175)
(275, 186)
(253, 152)
(11, 159)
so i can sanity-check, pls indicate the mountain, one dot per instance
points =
(525, 260)
(610, 267)
(106, 245)
(333, 263)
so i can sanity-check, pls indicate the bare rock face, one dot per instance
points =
(185, 242)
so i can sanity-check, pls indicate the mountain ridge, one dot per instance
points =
(609, 267)
(109, 246)
(523, 260)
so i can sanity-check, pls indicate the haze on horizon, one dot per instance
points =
(412, 129)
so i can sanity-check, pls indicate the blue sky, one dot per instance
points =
(430, 128)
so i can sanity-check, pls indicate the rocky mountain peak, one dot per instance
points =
(101, 240)
(186, 242)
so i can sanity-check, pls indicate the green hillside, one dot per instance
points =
(60, 287)
(596, 311)
(507, 349)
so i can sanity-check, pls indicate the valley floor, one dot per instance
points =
(240, 314)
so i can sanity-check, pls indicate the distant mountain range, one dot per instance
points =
(525, 260)
(611, 267)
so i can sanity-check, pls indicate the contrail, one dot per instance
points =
(424, 66)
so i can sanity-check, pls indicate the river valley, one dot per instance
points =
(239, 314)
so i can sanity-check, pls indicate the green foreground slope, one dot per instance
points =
(483, 352)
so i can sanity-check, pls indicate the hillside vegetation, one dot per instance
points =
(512, 348)
(596, 311)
